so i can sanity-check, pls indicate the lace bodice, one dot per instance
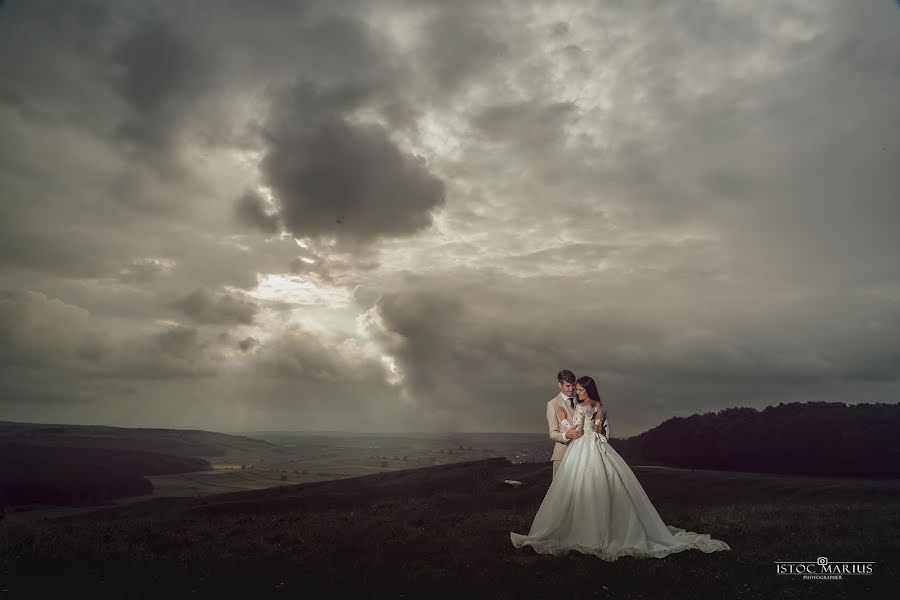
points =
(584, 418)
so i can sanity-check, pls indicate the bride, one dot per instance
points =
(595, 504)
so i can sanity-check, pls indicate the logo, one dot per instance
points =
(822, 568)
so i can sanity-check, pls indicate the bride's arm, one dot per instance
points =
(603, 426)
(598, 421)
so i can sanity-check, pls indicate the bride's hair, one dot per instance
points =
(590, 387)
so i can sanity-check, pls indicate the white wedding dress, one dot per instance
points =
(595, 505)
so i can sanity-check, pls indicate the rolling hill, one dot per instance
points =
(72, 465)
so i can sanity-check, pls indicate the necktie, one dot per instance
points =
(572, 402)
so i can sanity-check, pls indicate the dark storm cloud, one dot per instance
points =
(251, 210)
(350, 182)
(205, 307)
(331, 175)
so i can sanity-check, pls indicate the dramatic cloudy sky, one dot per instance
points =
(409, 215)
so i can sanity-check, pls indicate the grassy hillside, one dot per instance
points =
(71, 465)
(60, 476)
(443, 532)
(180, 442)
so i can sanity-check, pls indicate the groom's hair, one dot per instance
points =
(566, 375)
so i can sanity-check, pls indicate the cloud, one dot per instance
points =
(164, 75)
(50, 336)
(297, 354)
(251, 209)
(335, 179)
(527, 124)
(145, 270)
(469, 360)
(226, 308)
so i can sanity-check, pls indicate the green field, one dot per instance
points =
(305, 458)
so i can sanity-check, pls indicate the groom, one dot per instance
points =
(562, 433)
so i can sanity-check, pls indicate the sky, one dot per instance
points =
(402, 216)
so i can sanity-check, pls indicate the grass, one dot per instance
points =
(443, 532)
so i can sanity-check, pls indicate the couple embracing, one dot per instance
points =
(595, 504)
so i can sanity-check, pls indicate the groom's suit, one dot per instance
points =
(557, 430)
